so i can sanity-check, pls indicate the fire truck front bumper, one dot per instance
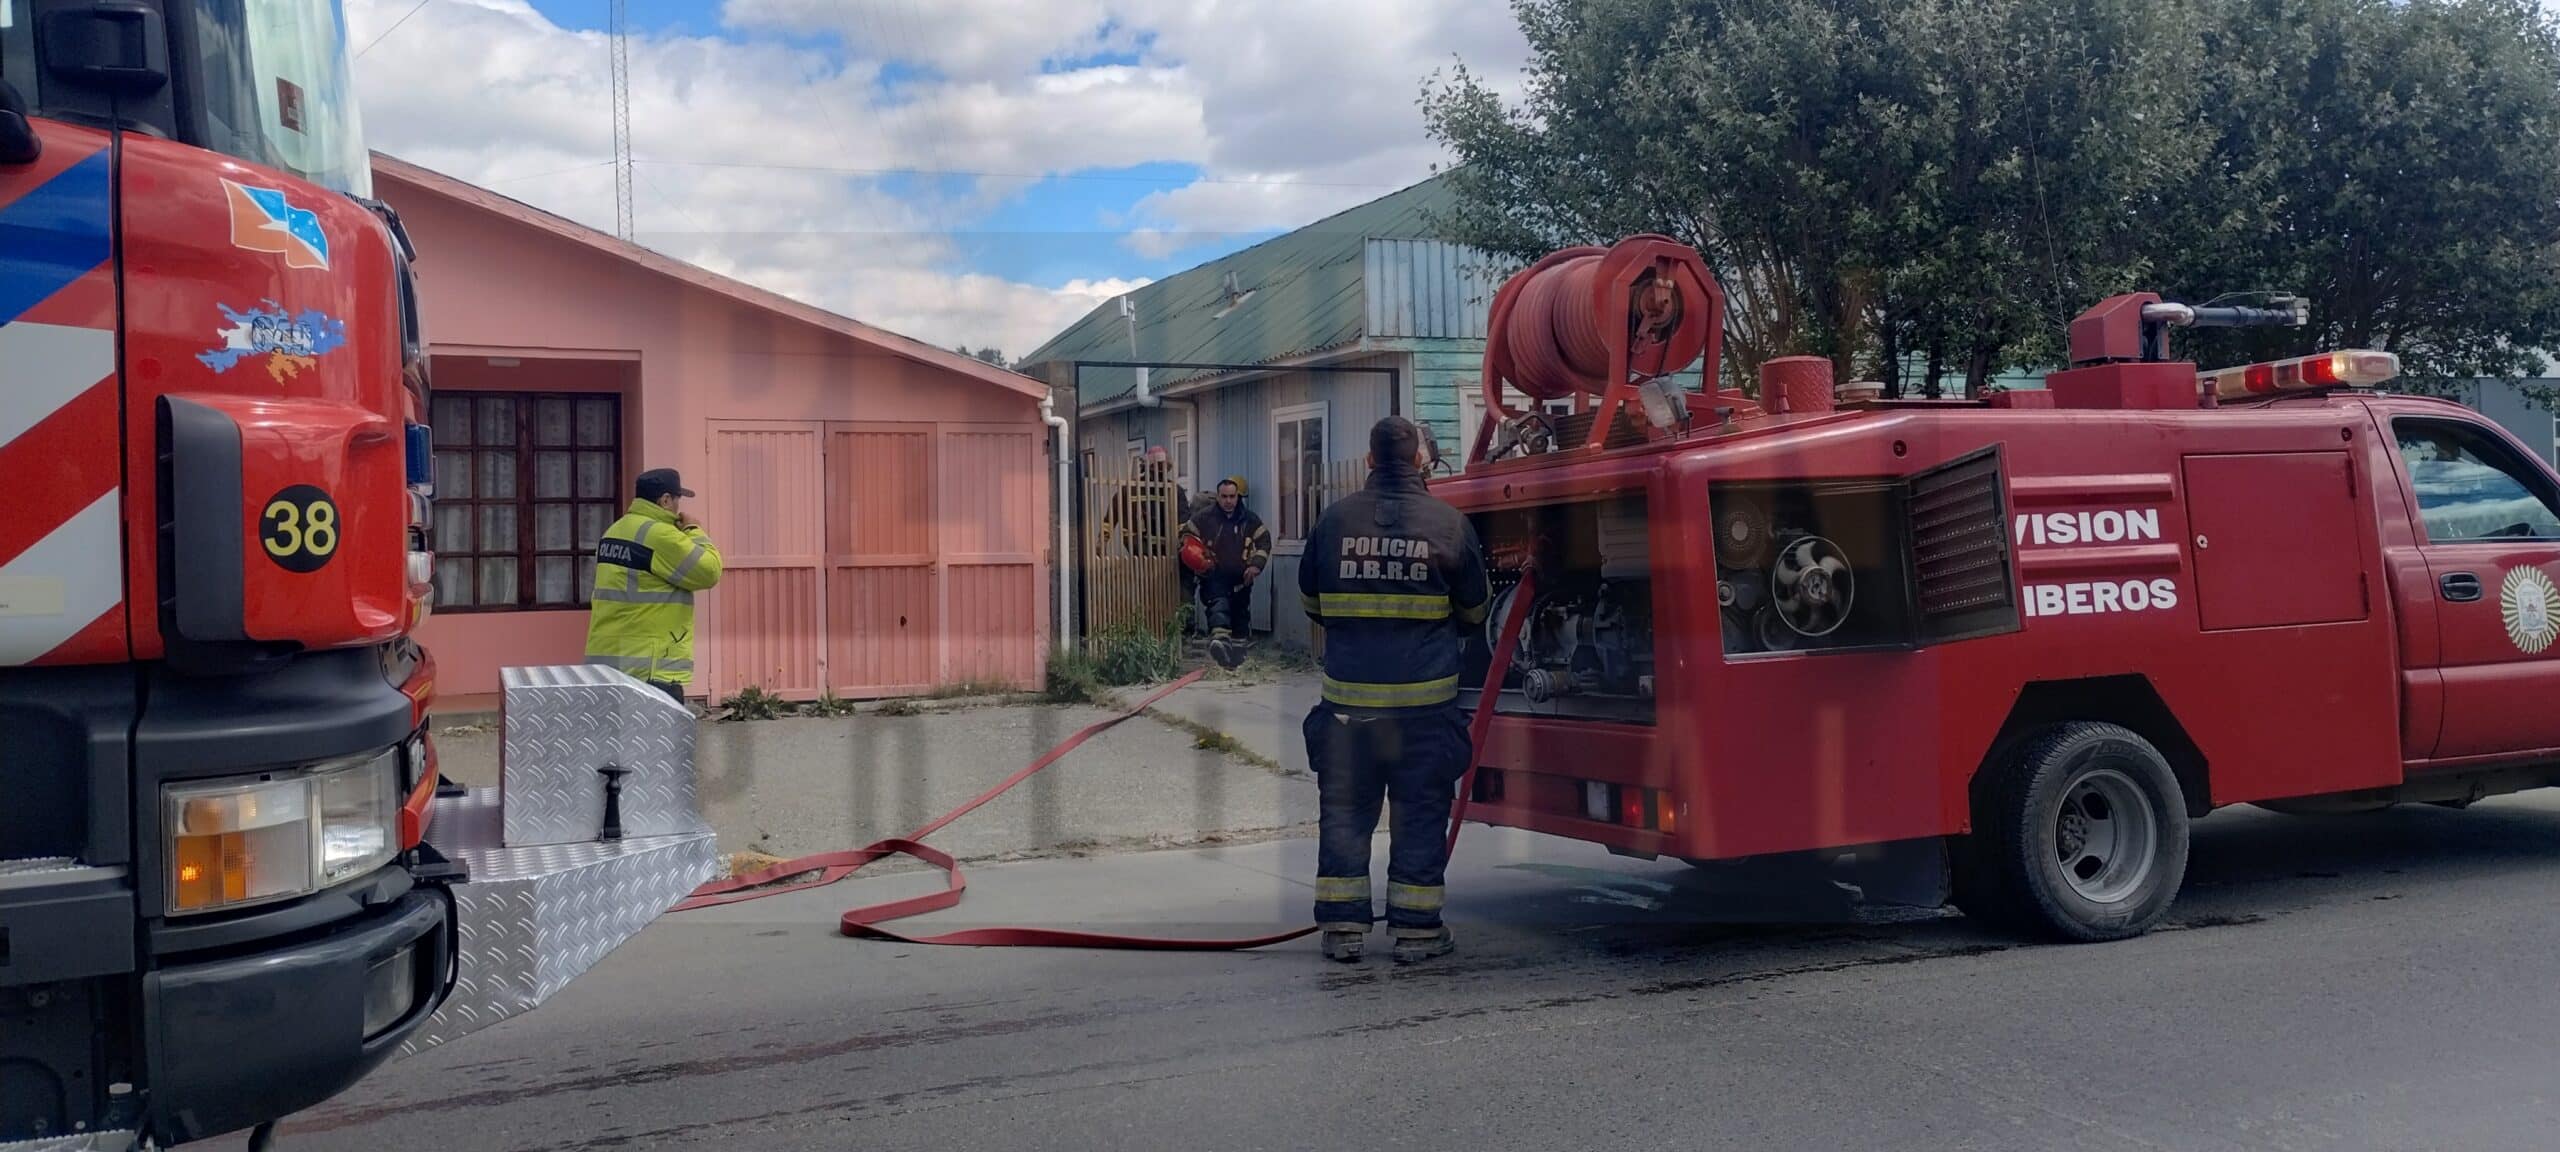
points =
(242, 1040)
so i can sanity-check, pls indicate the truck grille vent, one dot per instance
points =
(1960, 548)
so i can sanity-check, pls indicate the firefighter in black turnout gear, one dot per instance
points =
(1239, 549)
(1390, 574)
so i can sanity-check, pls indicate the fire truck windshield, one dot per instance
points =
(278, 88)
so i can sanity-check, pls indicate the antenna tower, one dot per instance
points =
(620, 31)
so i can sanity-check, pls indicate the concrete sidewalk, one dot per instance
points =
(796, 786)
(1261, 711)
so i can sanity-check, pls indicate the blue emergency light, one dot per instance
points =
(422, 460)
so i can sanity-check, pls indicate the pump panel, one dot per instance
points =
(1587, 650)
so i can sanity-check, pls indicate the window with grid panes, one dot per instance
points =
(526, 483)
(1298, 436)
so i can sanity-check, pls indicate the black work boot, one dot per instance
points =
(1414, 946)
(1226, 650)
(1344, 945)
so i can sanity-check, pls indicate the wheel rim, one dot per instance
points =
(2105, 836)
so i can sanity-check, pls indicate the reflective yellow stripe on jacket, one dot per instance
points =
(1380, 606)
(1418, 695)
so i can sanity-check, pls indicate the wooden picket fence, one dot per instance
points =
(1133, 525)
(1132, 540)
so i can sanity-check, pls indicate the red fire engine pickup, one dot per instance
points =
(2025, 638)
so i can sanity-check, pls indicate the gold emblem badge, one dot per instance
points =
(2531, 608)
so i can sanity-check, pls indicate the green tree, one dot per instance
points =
(1950, 181)
(1868, 177)
(2398, 164)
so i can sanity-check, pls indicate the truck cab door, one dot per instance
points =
(2488, 525)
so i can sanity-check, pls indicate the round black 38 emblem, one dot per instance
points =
(299, 528)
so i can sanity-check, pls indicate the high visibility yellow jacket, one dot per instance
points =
(647, 570)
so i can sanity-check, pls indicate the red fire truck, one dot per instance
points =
(215, 905)
(2020, 640)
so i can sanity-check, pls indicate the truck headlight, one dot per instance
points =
(239, 841)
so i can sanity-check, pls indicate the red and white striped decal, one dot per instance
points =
(61, 537)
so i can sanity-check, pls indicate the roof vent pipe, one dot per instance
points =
(1129, 313)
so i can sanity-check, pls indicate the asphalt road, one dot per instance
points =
(2374, 982)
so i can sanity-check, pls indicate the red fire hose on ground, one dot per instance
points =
(869, 921)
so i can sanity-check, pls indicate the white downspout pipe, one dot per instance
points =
(1066, 512)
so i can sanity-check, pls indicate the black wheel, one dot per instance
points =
(2081, 835)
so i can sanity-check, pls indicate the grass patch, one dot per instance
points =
(831, 704)
(1208, 739)
(1219, 742)
(754, 703)
(1116, 658)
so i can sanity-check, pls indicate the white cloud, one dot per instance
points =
(963, 39)
(763, 159)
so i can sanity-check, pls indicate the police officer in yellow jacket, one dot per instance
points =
(1390, 573)
(648, 566)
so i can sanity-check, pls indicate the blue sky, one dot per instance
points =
(967, 171)
(1052, 230)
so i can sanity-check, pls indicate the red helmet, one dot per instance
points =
(1195, 556)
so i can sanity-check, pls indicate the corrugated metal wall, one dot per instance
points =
(1429, 289)
(897, 558)
(1239, 438)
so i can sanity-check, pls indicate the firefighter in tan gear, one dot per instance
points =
(648, 566)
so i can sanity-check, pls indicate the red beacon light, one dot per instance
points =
(2353, 368)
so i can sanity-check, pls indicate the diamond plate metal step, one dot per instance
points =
(532, 919)
(117, 1141)
(560, 724)
(29, 867)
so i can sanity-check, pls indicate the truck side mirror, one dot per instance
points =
(116, 47)
(19, 143)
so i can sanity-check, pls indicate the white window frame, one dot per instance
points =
(1185, 468)
(1319, 413)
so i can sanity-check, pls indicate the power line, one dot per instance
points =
(395, 26)
(551, 173)
(1159, 180)
(674, 203)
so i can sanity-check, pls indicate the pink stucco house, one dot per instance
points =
(882, 504)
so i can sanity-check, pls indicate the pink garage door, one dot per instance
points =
(762, 623)
(992, 516)
(883, 582)
(912, 566)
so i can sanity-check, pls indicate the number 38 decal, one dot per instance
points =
(300, 528)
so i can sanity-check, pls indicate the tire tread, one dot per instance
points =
(2003, 894)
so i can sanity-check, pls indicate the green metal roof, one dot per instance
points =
(1305, 296)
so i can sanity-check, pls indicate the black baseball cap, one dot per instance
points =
(659, 482)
